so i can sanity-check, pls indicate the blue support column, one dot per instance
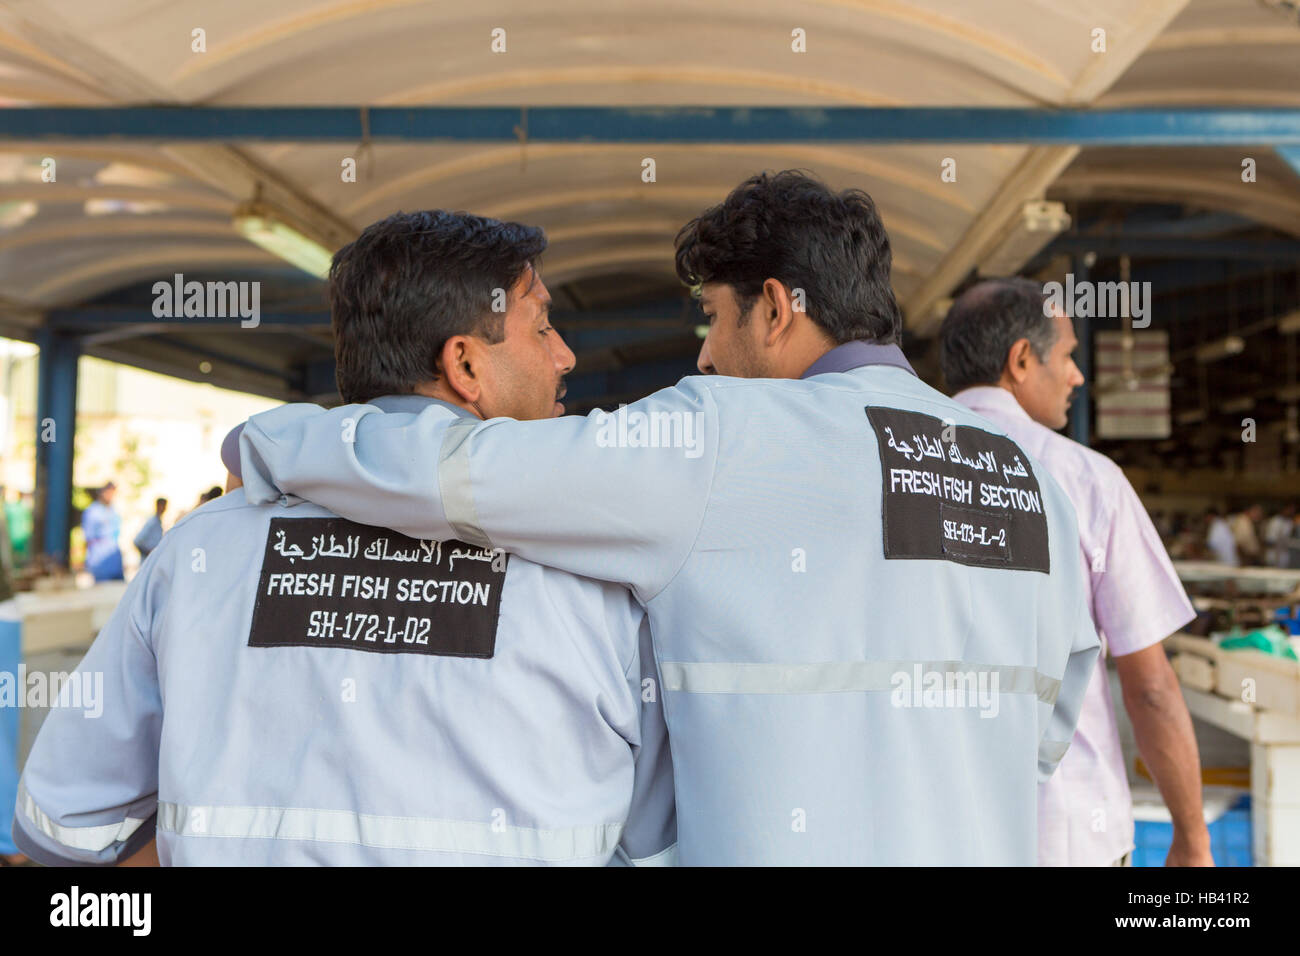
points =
(56, 426)
(1081, 406)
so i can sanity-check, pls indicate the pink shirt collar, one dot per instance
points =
(992, 397)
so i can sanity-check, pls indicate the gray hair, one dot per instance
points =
(983, 324)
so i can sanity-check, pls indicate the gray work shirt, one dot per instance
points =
(866, 601)
(280, 686)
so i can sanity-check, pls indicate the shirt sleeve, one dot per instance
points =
(650, 834)
(1137, 597)
(616, 497)
(89, 792)
(92, 524)
(1079, 669)
(147, 536)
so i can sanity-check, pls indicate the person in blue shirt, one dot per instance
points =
(867, 602)
(101, 525)
(151, 532)
(286, 687)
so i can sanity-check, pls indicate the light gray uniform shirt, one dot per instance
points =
(281, 686)
(866, 602)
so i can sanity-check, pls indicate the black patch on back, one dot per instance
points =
(330, 582)
(957, 493)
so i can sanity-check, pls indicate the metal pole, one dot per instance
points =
(56, 425)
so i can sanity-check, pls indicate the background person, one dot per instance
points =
(1276, 533)
(101, 525)
(1245, 532)
(1220, 540)
(204, 497)
(18, 517)
(152, 531)
(1009, 362)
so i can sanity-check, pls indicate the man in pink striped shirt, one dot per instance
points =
(1008, 358)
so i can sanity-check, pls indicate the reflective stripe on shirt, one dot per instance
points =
(94, 838)
(401, 833)
(840, 677)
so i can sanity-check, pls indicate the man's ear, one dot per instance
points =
(460, 366)
(1019, 357)
(777, 310)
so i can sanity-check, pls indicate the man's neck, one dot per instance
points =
(439, 390)
(804, 363)
(804, 354)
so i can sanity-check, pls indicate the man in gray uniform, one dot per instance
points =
(282, 686)
(866, 601)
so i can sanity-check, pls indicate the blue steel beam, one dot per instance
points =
(1174, 225)
(670, 313)
(100, 316)
(56, 425)
(291, 377)
(1174, 277)
(1207, 126)
(1277, 250)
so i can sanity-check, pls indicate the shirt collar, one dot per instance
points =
(414, 404)
(991, 397)
(851, 355)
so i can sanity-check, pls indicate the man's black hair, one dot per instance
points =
(983, 324)
(791, 227)
(412, 281)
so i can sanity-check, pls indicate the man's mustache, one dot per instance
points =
(561, 389)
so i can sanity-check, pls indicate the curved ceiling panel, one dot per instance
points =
(1217, 52)
(1208, 178)
(601, 218)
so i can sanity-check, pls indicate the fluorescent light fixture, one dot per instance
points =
(1236, 405)
(129, 174)
(14, 213)
(1190, 417)
(1223, 348)
(1038, 223)
(263, 228)
(111, 207)
(1289, 324)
